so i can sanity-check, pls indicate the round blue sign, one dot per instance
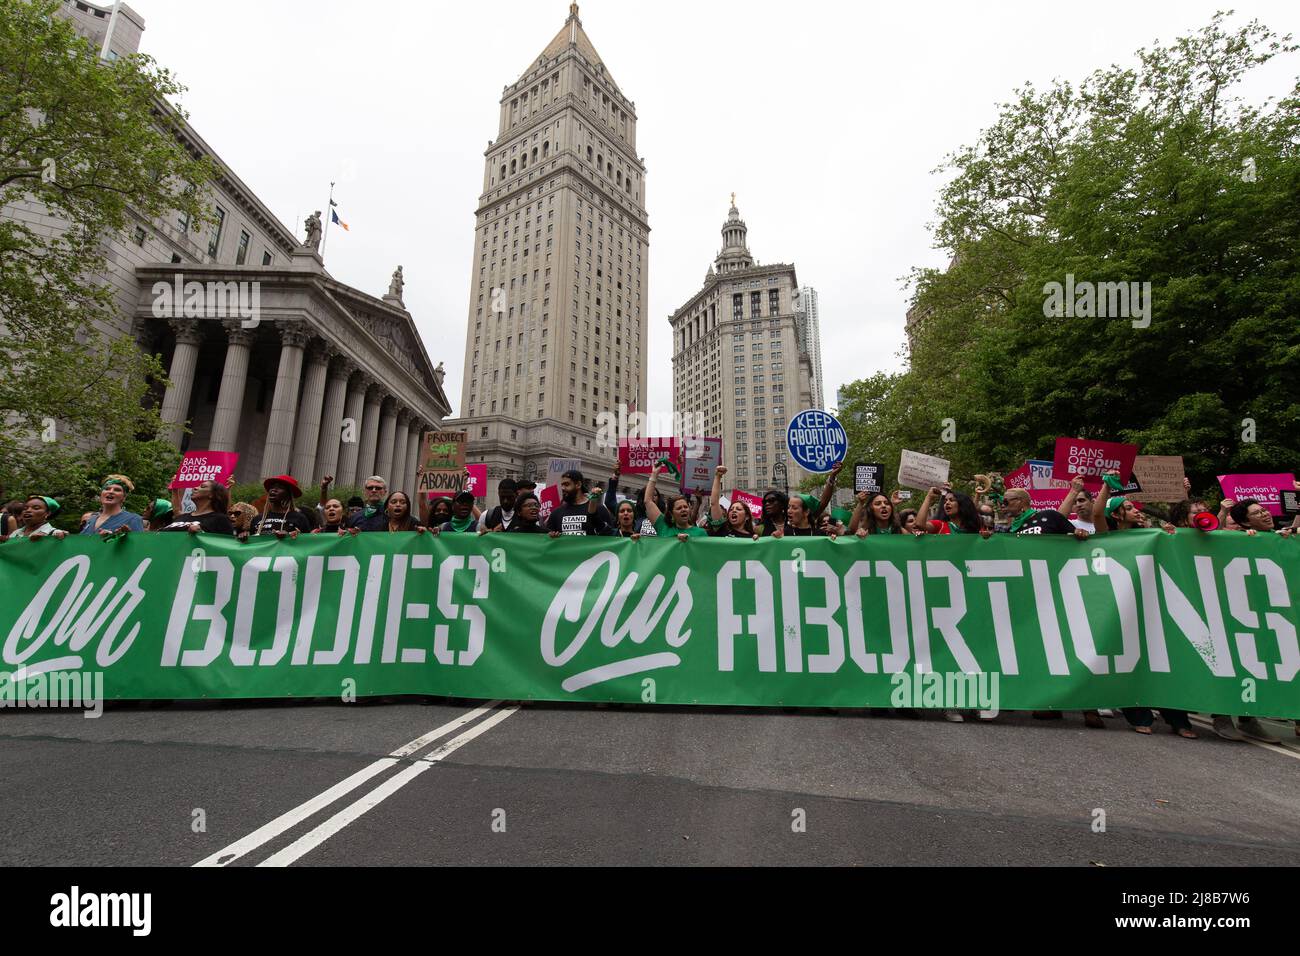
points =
(816, 440)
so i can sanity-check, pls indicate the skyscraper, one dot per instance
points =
(811, 341)
(557, 308)
(740, 365)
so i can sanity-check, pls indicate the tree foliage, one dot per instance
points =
(91, 145)
(1158, 173)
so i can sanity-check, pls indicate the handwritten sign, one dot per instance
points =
(475, 482)
(1160, 478)
(442, 463)
(916, 470)
(200, 466)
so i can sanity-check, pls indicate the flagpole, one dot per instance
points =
(329, 214)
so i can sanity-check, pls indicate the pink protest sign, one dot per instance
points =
(473, 479)
(753, 502)
(1266, 489)
(636, 456)
(200, 466)
(547, 501)
(1030, 478)
(1092, 458)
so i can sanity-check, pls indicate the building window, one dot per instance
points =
(139, 235)
(483, 432)
(266, 258)
(242, 255)
(215, 242)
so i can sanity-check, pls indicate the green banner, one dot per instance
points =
(1196, 621)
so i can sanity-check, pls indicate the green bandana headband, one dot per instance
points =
(161, 506)
(116, 481)
(51, 505)
(810, 503)
(1114, 504)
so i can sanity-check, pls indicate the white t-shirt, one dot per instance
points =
(1087, 526)
(22, 532)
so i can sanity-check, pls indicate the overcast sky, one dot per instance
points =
(825, 118)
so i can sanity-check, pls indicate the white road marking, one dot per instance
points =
(1282, 748)
(349, 814)
(292, 818)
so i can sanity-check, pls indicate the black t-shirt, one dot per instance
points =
(522, 527)
(1047, 522)
(210, 523)
(274, 521)
(577, 519)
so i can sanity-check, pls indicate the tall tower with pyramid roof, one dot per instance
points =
(557, 331)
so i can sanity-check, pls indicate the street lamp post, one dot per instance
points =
(530, 471)
(780, 475)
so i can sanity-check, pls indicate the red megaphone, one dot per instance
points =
(1205, 521)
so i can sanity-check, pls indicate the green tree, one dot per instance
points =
(91, 143)
(1154, 173)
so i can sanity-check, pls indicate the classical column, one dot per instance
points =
(176, 402)
(234, 382)
(309, 413)
(416, 437)
(350, 432)
(369, 433)
(284, 404)
(331, 422)
(384, 451)
(400, 434)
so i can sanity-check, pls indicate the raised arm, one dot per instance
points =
(324, 491)
(1076, 486)
(715, 496)
(829, 490)
(651, 508)
(923, 513)
(858, 511)
(611, 493)
(1099, 509)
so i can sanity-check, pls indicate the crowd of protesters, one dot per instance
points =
(595, 511)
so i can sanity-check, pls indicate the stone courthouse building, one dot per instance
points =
(312, 376)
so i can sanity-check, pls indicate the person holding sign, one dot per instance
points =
(804, 511)
(736, 521)
(874, 514)
(678, 507)
(575, 517)
(211, 504)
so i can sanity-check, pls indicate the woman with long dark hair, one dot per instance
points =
(874, 514)
(736, 521)
(397, 508)
(959, 515)
(210, 514)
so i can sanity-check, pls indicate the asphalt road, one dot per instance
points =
(304, 784)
